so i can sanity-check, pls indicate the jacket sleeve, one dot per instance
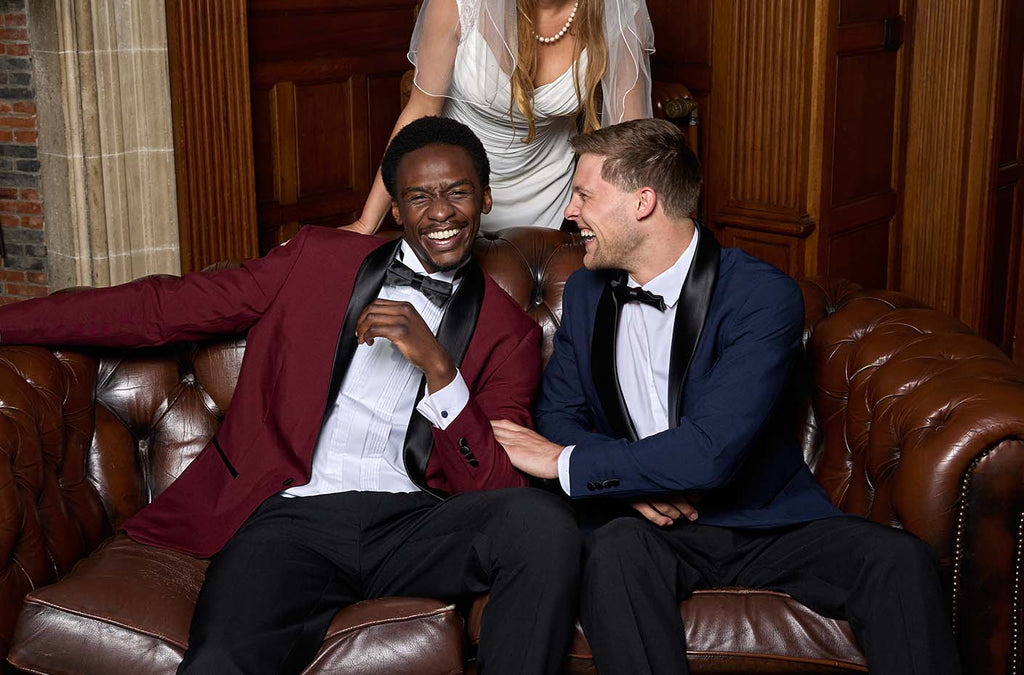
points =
(738, 395)
(154, 310)
(466, 450)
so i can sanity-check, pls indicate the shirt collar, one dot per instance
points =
(408, 256)
(669, 284)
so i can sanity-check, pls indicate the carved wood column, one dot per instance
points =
(209, 67)
(760, 128)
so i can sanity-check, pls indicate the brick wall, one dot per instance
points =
(23, 266)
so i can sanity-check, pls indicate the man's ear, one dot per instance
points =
(394, 212)
(646, 202)
(488, 202)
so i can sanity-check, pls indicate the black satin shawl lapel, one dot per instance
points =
(603, 367)
(367, 286)
(691, 312)
(455, 333)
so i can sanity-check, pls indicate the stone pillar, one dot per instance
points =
(105, 144)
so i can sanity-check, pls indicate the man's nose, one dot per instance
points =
(441, 208)
(572, 210)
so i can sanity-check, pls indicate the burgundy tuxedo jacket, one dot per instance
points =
(298, 305)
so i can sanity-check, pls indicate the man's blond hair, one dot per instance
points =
(647, 153)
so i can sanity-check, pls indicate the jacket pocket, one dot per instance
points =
(224, 458)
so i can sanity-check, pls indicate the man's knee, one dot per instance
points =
(618, 546)
(539, 520)
(892, 553)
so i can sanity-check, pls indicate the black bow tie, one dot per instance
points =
(399, 274)
(624, 294)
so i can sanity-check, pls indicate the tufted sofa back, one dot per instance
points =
(905, 416)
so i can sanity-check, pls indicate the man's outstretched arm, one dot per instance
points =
(153, 310)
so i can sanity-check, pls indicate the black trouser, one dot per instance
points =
(884, 581)
(271, 593)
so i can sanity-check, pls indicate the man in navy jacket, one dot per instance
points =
(661, 405)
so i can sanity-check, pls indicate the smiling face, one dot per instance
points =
(604, 213)
(438, 201)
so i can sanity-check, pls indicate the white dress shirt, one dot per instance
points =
(360, 445)
(643, 347)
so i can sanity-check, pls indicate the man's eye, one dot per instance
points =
(417, 199)
(458, 193)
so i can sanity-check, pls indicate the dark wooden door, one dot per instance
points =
(325, 82)
(863, 117)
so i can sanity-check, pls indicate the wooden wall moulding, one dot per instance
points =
(325, 95)
(208, 58)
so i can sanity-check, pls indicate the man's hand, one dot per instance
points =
(402, 324)
(666, 511)
(529, 452)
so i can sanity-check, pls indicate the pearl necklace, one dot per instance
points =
(558, 36)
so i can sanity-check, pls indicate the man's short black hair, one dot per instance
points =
(432, 131)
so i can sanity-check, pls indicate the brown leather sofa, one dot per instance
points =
(906, 417)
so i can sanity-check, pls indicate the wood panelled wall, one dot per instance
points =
(325, 95)
(876, 140)
(803, 130)
(962, 210)
(208, 58)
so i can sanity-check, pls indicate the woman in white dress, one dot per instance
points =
(526, 75)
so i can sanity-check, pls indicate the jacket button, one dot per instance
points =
(463, 445)
(287, 481)
(592, 485)
(614, 482)
(474, 463)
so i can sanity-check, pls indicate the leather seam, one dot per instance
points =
(398, 619)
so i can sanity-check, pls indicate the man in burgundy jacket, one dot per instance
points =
(357, 459)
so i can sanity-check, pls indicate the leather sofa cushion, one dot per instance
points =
(739, 631)
(127, 609)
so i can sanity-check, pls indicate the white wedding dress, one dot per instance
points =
(530, 182)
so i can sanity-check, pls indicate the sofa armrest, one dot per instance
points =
(50, 512)
(959, 485)
(922, 427)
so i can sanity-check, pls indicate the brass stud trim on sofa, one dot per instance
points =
(958, 556)
(1015, 611)
(958, 542)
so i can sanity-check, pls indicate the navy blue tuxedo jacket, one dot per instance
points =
(735, 339)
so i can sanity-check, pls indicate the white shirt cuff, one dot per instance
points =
(445, 404)
(563, 468)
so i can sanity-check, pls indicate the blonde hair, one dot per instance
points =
(651, 153)
(589, 31)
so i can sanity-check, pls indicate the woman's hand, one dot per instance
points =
(359, 227)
